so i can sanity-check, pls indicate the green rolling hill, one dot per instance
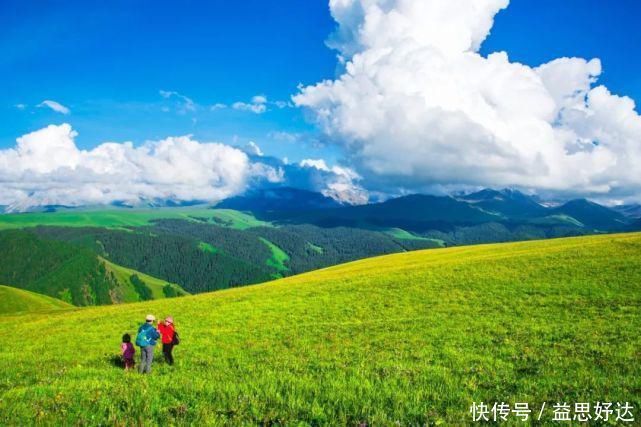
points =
(18, 301)
(124, 218)
(410, 338)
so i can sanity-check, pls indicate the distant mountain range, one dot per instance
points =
(279, 199)
(146, 203)
(632, 211)
(508, 203)
(592, 215)
(422, 213)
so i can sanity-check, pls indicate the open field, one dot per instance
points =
(412, 338)
(18, 301)
(122, 218)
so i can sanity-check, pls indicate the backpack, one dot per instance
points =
(176, 339)
(142, 339)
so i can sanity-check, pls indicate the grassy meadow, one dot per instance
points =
(278, 259)
(17, 301)
(123, 218)
(399, 233)
(410, 338)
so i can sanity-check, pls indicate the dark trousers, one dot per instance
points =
(166, 350)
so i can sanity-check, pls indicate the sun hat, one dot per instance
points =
(169, 319)
(150, 318)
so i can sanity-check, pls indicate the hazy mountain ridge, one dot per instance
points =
(421, 213)
(506, 202)
(632, 211)
(282, 198)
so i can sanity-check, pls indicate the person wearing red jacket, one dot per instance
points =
(167, 333)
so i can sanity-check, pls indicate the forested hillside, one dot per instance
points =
(71, 272)
(177, 258)
(204, 257)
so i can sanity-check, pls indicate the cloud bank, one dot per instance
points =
(46, 167)
(338, 182)
(418, 107)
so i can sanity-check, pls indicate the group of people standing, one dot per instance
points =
(146, 339)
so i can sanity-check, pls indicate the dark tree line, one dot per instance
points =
(161, 252)
(170, 250)
(141, 288)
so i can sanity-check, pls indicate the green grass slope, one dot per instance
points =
(278, 258)
(17, 301)
(411, 338)
(122, 218)
(158, 289)
(399, 233)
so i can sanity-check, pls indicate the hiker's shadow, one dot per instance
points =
(116, 361)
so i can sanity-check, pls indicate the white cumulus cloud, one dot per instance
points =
(254, 149)
(337, 182)
(55, 106)
(46, 167)
(419, 107)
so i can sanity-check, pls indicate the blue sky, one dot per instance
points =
(534, 32)
(418, 110)
(107, 62)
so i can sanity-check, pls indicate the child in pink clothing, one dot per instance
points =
(128, 352)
